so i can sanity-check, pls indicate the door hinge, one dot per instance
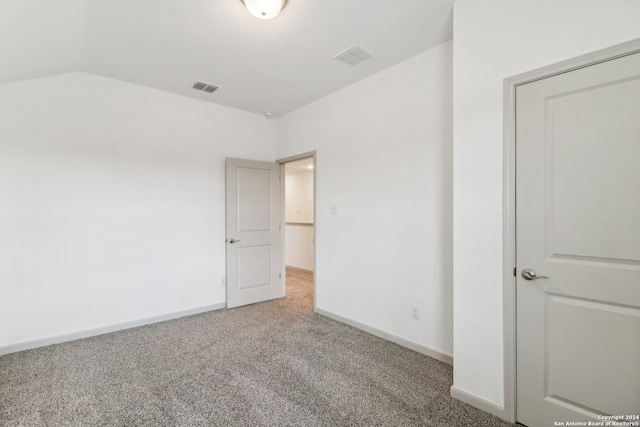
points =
(514, 272)
(279, 275)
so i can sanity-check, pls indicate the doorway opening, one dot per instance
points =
(299, 229)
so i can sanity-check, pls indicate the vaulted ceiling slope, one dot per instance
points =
(276, 65)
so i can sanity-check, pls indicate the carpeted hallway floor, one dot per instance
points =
(269, 364)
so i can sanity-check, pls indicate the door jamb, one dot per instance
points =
(509, 199)
(314, 156)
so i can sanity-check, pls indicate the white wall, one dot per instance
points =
(299, 243)
(493, 40)
(299, 197)
(384, 157)
(299, 218)
(112, 205)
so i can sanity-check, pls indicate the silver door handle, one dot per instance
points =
(529, 274)
(233, 241)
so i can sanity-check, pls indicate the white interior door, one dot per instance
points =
(578, 222)
(254, 236)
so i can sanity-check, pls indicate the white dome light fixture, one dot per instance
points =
(264, 9)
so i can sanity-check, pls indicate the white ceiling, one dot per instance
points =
(276, 65)
(297, 166)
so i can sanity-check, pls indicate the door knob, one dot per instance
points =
(529, 274)
(233, 241)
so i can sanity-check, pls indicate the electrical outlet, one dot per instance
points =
(415, 312)
(223, 282)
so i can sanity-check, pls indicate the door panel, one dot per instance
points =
(577, 329)
(254, 266)
(254, 238)
(578, 222)
(609, 224)
(254, 199)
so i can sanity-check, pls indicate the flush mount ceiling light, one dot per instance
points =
(264, 9)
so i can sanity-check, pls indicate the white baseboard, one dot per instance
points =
(477, 401)
(42, 342)
(435, 354)
(293, 267)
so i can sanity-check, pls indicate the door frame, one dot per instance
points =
(509, 200)
(308, 155)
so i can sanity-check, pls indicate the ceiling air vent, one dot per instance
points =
(354, 55)
(204, 87)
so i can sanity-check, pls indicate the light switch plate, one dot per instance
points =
(333, 209)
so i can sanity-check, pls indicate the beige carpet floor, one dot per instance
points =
(269, 364)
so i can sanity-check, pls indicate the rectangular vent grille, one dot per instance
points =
(354, 55)
(204, 87)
